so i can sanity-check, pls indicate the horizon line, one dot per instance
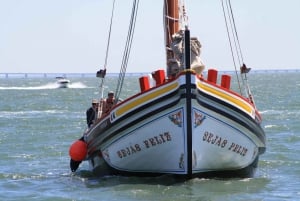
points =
(53, 75)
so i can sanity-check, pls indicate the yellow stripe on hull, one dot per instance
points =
(136, 102)
(227, 97)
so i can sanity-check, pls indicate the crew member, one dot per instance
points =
(91, 113)
(109, 102)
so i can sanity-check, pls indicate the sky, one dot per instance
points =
(70, 36)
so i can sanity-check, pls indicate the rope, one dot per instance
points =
(231, 48)
(165, 21)
(127, 49)
(237, 46)
(241, 58)
(238, 49)
(109, 34)
(103, 72)
(233, 32)
(236, 35)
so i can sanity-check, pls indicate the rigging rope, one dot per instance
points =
(238, 50)
(109, 34)
(237, 47)
(230, 43)
(127, 49)
(102, 73)
(235, 29)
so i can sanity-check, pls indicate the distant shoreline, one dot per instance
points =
(132, 74)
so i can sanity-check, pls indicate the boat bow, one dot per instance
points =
(187, 124)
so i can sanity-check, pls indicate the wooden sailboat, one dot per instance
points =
(186, 125)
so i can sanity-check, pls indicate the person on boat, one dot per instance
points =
(91, 113)
(106, 104)
(109, 102)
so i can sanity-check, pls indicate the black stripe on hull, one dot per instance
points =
(244, 120)
(203, 100)
(118, 123)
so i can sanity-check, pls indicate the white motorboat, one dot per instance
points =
(62, 82)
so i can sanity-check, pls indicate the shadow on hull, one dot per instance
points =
(247, 172)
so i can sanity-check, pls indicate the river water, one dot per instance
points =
(38, 123)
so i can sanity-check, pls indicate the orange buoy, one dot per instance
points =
(78, 150)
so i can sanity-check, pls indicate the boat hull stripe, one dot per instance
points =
(237, 101)
(240, 117)
(120, 111)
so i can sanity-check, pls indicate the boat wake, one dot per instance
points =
(53, 85)
(77, 85)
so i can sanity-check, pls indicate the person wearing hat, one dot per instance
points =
(91, 113)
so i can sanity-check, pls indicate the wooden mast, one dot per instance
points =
(171, 19)
(171, 24)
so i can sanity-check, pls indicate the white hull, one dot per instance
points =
(63, 85)
(63, 82)
(168, 130)
(186, 125)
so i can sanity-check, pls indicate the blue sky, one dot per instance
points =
(70, 36)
